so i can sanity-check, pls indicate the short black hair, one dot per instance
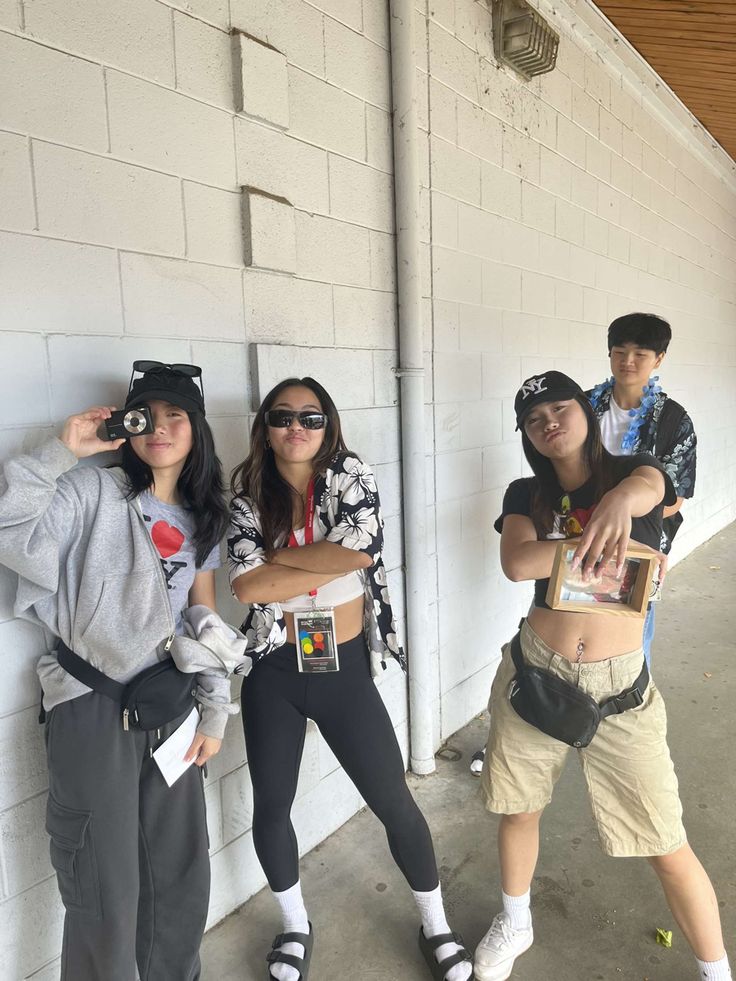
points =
(643, 329)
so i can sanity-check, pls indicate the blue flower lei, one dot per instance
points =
(638, 415)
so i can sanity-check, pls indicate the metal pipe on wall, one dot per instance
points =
(423, 667)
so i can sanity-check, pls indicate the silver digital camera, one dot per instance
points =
(129, 422)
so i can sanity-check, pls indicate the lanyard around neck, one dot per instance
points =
(308, 524)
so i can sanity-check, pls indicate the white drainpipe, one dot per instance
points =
(423, 669)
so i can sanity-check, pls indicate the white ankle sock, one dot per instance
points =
(715, 970)
(434, 922)
(518, 911)
(294, 920)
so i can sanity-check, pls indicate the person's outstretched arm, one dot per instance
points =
(522, 556)
(607, 534)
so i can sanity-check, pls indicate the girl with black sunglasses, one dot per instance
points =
(305, 552)
(108, 560)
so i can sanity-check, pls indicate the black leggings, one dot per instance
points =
(346, 705)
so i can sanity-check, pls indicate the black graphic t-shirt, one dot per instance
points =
(171, 528)
(576, 507)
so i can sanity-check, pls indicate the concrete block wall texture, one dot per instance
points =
(268, 232)
(127, 137)
(262, 83)
(551, 207)
(547, 208)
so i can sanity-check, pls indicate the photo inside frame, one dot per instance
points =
(603, 587)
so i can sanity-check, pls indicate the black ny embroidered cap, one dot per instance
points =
(546, 387)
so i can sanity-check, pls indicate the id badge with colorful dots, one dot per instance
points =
(316, 649)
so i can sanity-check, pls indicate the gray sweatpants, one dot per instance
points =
(130, 853)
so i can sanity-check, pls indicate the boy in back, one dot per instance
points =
(636, 416)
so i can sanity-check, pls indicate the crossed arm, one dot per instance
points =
(292, 571)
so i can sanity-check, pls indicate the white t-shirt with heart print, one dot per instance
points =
(171, 528)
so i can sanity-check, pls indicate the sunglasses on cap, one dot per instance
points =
(283, 418)
(187, 370)
(190, 370)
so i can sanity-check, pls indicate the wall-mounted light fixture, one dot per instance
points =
(523, 39)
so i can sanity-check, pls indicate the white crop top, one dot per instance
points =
(335, 593)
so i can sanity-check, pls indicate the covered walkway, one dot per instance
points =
(595, 918)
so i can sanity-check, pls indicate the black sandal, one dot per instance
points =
(439, 969)
(300, 964)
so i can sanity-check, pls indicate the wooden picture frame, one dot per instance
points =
(625, 597)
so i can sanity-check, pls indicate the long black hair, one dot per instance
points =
(200, 485)
(258, 478)
(547, 492)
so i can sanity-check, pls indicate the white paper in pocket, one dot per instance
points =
(170, 754)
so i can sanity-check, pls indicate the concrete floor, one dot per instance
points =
(595, 918)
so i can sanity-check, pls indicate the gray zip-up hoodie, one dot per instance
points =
(88, 570)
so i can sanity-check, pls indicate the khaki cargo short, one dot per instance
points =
(628, 770)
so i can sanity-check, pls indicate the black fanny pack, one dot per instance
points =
(558, 708)
(150, 700)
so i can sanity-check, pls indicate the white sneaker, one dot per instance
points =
(476, 762)
(497, 951)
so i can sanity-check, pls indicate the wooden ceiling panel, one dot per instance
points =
(691, 44)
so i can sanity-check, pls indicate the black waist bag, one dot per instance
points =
(150, 700)
(561, 710)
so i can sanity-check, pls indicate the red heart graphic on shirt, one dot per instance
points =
(167, 539)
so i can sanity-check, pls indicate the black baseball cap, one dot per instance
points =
(169, 385)
(548, 386)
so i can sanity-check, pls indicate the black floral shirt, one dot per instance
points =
(678, 459)
(349, 513)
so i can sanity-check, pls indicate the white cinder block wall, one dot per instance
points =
(127, 132)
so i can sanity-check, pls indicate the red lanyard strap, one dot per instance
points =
(308, 525)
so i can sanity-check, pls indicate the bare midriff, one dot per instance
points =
(602, 635)
(348, 621)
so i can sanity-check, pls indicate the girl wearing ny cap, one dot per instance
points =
(108, 559)
(580, 490)
(305, 551)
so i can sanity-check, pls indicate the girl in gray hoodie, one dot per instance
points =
(108, 559)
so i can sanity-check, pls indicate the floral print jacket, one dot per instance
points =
(349, 513)
(678, 459)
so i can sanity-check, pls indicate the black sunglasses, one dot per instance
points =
(283, 418)
(188, 370)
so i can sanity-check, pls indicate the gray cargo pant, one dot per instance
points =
(129, 852)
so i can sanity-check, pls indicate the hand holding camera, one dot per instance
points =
(80, 432)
